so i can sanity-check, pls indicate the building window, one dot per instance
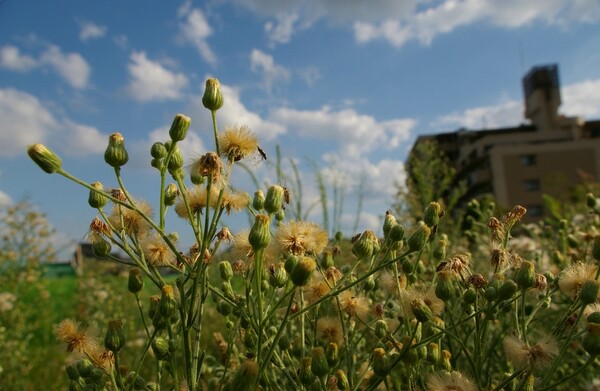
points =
(535, 210)
(531, 184)
(528, 160)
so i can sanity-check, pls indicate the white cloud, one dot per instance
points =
(5, 199)
(11, 58)
(72, 67)
(194, 28)
(444, 17)
(150, 80)
(26, 121)
(582, 99)
(354, 132)
(503, 114)
(282, 29)
(311, 75)
(261, 62)
(90, 30)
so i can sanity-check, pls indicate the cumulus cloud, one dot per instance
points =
(89, 30)
(5, 199)
(72, 67)
(504, 114)
(194, 29)
(151, 81)
(26, 120)
(12, 59)
(582, 99)
(264, 64)
(354, 132)
(282, 29)
(424, 24)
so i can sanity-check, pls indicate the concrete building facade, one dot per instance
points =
(518, 165)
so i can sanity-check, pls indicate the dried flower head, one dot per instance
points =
(449, 381)
(524, 355)
(131, 221)
(208, 165)
(354, 306)
(157, 252)
(515, 214)
(477, 280)
(197, 198)
(301, 237)
(237, 143)
(77, 339)
(330, 330)
(458, 264)
(99, 227)
(572, 278)
(118, 194)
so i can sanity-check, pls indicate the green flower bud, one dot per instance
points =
(470, 296)
(420, 310)
(258, 202)
(138, 382)
(72, 372)
(306, 376)
(433, 352)
(196, 177)
(290, 262)
(388, 222)
(101, 247)
(445, 362)
(135, 283)
(213, 97)
(490, 293)
(274, 199)
(366, 245)
(260, 235)
(157, 163)
(280, 215)
(84, 367)
(381, 328)
(407, 266)
(303, 270)
(590, 201)
(179, 127)
(44, 158)
(432, 214)
(396, 233)
(96, 376)
(171, 193)
(97, 198)
(153, 307)
(507, 290)
(277, 275)
(284, 342)
(223, 308)
(572, 241)
(116, 154)
(327, 259)
(381, 363)
(342, 379)
(319, 365)
(418, 239)
(444, 288)
(525, 276)
(158, 150)
(177, 174)
(439, 252)
(594, 317)
(250, 339)
(245, 376)
(589, 291)
(227, 290)
(596, 248)
(168, 304)
(225, 270)
(176, 160)
(332, 354)
(114, 340)
(591, 339)
(369, 283)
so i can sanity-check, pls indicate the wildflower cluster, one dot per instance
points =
(414, 309)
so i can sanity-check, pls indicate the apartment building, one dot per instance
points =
(549, 155)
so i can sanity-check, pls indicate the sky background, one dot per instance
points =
(345, 86)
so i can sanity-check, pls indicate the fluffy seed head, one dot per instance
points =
(301, 237)
(523, 355)
(449, 381)
(238, 143)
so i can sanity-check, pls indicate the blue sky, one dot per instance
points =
(347, 85)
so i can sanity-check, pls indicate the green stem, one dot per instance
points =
(214, 121)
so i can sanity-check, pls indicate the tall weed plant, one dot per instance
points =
(299, 310)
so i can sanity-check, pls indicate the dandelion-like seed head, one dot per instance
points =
(354, 306)
(330, 330)
(77, 339)
(523, 355)
(234, 201)
(301, 237)
(157, 252)
(449, 381)
(572, 278)
(131, 221)
(416, 298)
(317, 288)
(237, 143)
(197, 200)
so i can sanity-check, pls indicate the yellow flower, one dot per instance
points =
(237, 143)
(523, 355)
(449, 381)
(301, 237)
(572, 278)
